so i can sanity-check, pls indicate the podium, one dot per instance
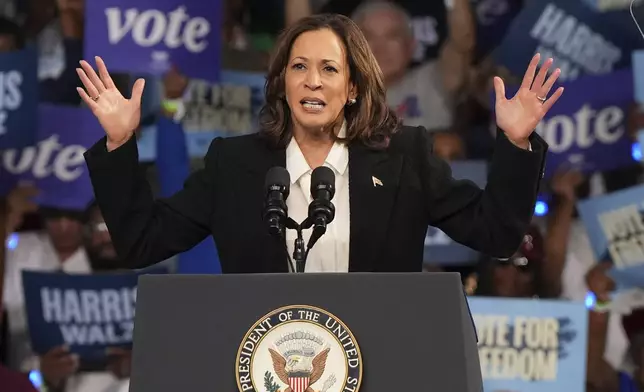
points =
(373, 332)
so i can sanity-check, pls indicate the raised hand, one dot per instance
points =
(118, 116)
(518, 117)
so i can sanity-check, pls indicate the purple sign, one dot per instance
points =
(586, 128)
(145, 36)
(55, 165)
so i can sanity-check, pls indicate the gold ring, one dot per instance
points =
(97, 97)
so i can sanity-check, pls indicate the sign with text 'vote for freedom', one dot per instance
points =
(439, 248)
(148, 36)
(18, 98)
(615, 226)
(87, 312)
(586, 128)
(581, 40)
(55, 163)
(228, 108)
(531, 345)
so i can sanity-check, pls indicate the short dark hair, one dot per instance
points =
(369, 121)
(11, 28)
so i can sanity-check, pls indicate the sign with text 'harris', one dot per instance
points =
(18, 98)
(145, 36)
(89, 313)
(581, 40)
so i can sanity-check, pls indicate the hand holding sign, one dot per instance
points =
(118, 116)
(518, 117)
(57, 365)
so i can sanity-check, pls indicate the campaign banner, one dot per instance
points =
(149, 36)
(609, 5)
(493, 19)
(638, 75)
(18, 98)
(228, 108)
(55, 164)
(616, 231)
(439, 248)
(581, 40)
(87, 312)
(531, 345)
(586, 128)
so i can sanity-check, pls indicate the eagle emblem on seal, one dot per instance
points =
(299, 360)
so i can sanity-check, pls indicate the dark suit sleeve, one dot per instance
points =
(145, 231)
(493, 220)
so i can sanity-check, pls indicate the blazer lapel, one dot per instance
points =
(373, 185)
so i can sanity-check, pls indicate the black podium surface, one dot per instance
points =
(412, 332)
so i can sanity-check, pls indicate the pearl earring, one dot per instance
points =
(352, 101)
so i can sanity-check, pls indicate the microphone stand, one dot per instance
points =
(299, 253)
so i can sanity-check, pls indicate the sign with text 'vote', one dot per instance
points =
(581, 40)
(87, 312)
(18, 98)
(615, 226)
(531, 345)
(55, 163)
(586, 128)
(149, 36)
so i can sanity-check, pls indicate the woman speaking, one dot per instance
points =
(325, 106)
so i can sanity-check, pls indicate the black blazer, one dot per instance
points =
(388, 223)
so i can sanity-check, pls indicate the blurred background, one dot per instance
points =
(581, 264)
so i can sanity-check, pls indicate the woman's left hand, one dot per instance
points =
(518, 117)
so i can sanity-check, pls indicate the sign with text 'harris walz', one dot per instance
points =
(55, 163)
(228, 108)
(615, 226)
(145, 36)
(18, 98)
(440, 249)
(90, 313)
(586, 128)
(581, 40)
(531, 345)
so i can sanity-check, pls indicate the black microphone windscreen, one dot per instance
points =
(277, 176)
(322, 175)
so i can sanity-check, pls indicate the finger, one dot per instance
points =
(545, 89)
(104, 74)
(137, 91)
(91, 74)
(541, 76)
(89, 86)
(88, 101)
(553, 98)
(499, 89)
(529, 73)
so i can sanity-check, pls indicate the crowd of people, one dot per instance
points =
(438, 74)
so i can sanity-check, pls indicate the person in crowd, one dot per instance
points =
(449, 146)
(325, 105)
(56, 82)
(419, 95)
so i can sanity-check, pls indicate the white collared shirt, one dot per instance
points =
(331, 252)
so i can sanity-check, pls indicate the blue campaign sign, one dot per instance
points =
(531, 345)
(90, 313)
(615, 225)
(18, 98)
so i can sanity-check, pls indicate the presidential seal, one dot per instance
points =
(299, 348)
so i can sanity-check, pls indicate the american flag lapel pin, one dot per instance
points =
(376, 181)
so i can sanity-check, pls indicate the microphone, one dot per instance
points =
(277, 185)
(321, 210)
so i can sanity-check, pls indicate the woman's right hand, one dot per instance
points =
(118, 116)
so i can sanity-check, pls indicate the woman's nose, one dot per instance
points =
(313, 80)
